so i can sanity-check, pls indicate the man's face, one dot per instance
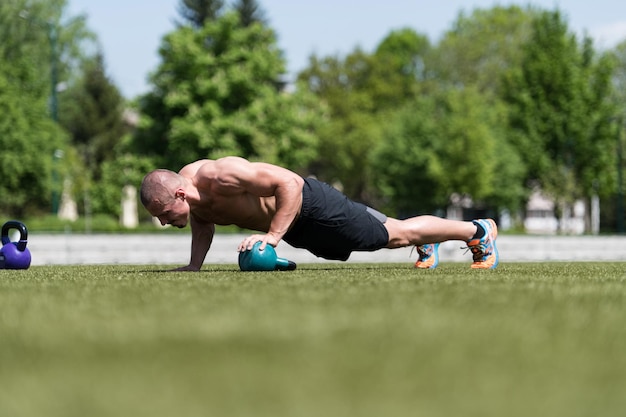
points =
(175, 213)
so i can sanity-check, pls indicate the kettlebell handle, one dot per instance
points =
(21, 227)
(283, 264)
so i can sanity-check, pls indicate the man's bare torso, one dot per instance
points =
(223, 201)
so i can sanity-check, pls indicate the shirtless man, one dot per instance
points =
(306, 213)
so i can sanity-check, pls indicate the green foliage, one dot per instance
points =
(559, 111)
(339, 84)
(618, 99)
(283, 127)
(51, 223)
(39, 48)
(100, 224)
(480, 46)
(445, 144)
(508, 98)
(361, 91)
(126, 169)
(92, 112)
(619, 78)
(28, 139)
(398, 62)
(198, 12)
(249, 12)
(216, 93)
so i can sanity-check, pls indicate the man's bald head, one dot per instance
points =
(159, 187)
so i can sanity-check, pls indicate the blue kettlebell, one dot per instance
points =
(14, 255)
(263, 260)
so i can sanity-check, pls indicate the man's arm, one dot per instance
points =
(286, 187)
(265, 180)
(201, 239)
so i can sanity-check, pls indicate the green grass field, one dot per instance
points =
(540, 339)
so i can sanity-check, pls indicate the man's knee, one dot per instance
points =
(399, 235)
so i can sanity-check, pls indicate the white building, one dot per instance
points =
(541, 219)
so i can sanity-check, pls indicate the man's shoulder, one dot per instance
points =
(209, 173)
(190, 170)
(221, 163)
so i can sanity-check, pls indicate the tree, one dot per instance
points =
(447, 143)
(215, 93)
(619, 78)
(346, 141)
(37, 53)
(199, 12)
(126, 169)
(618, 98)
(481, 46)
(249, 12)
(378, 81)
(559, 111)
(92, 114)
(29, 140)
(361, 90)
(398, 68)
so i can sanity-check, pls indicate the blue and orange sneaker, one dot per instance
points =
(484, 250)
(428, 256)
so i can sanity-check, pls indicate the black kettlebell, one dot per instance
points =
(14, 255)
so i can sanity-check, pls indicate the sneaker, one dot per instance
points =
(484, 250)
(428, 256)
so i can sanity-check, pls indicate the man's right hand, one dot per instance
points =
(248, 242)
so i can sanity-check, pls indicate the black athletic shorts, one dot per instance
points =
(332, 226)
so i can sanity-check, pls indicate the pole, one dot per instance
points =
(620, 181)
(54, 74)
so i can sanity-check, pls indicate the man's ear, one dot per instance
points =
(180, 193)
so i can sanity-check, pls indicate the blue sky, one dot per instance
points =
(130, 31)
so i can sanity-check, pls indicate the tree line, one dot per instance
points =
(509, 100)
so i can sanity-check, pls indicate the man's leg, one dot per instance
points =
(427, 229)
(480, 236)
